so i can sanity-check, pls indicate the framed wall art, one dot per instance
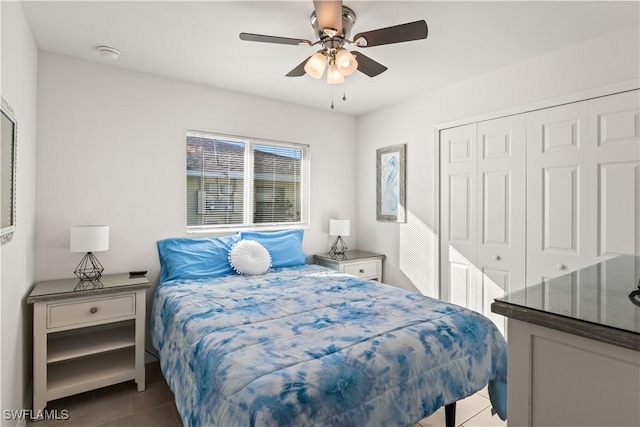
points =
(8, 141)
(390, 183)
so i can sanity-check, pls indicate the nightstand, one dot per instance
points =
(367, 265)
(87, 336)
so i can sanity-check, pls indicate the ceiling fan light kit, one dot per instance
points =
(334, 75)
(332, 23)
(346, 62)
(315, 65)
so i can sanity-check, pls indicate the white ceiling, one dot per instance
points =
(198, 41)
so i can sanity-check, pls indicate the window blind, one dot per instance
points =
(276, 184)
(235, 182)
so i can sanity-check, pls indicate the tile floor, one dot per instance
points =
(474, 411)
(121, 405)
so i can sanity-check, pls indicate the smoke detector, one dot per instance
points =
(108, 52)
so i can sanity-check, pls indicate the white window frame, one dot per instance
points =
(248, 196)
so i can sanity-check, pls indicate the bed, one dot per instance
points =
(305, 345)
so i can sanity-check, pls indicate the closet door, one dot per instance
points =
(458, 184)
(500, 256)
(482, 220)
(614, 174)
(557, 188)
(614, 180)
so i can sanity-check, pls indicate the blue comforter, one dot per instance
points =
(306, 345)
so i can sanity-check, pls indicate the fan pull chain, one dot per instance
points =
(344, 90)
(332, 107)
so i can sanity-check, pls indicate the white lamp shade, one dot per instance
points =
(89, 238)
(333, 75)
(339, 227)
(346, 62)
(315, 65)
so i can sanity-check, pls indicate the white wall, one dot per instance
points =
(111, 150)
(412, 248)
(18, 88)
(1, 333)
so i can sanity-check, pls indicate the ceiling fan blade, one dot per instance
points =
(329, 14)
(299, 70)
(368, 66)
(273, 39)
(397, 34)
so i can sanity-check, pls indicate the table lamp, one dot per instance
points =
(338, 227)
(89, 239)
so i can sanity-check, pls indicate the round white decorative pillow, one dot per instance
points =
(249, 258)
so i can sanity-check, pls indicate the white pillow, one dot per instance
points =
(250, 258)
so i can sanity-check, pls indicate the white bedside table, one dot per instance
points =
(87, 337)
(367, 265)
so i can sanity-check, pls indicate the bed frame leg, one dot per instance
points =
(450, 415)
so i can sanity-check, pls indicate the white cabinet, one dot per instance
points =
(528, 197)
(366, 265)
(574, 348)
(561, 379)
(87, 335)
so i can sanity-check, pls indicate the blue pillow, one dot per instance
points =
(285, 247)
(188, 258)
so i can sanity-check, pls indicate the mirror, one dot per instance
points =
(8, 138)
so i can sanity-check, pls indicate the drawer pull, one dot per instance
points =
(93, 310)
(361, 270)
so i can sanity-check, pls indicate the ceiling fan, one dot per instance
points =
(333, 23)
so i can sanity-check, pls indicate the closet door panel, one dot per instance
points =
(460, 209)
(458, 234)
(557, 191)
(495, 283)
(614, 174)
(617, 216)
(496, 214)
(560, 214)
(615, 120)
(461, 240)
(501, 210)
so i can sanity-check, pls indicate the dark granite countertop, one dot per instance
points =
(592, 302)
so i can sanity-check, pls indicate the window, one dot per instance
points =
(236, 182)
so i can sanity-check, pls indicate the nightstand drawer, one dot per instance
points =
(363, 269)
(89, 311)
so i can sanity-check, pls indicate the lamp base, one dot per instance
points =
(339, 247)
(89, 268)
(84, 285)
